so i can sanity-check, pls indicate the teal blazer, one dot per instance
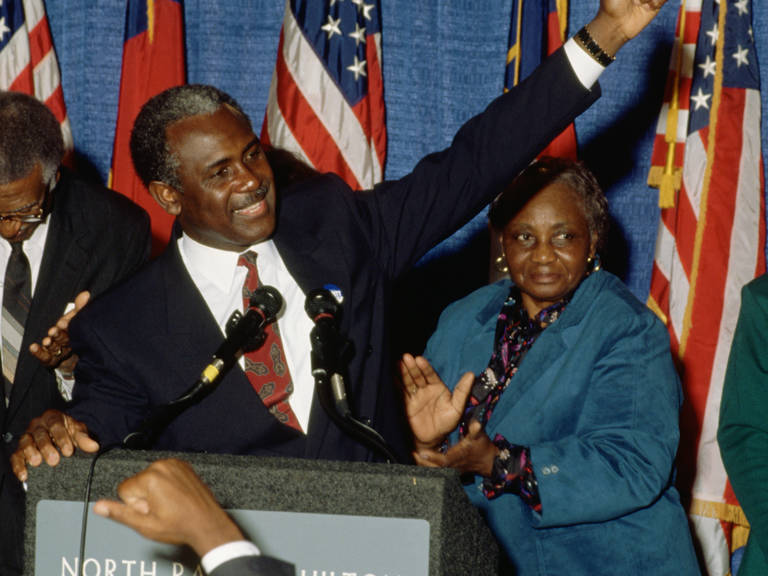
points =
(596, 399)
(743, 432)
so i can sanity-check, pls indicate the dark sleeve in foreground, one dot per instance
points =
(743, 429)
(254, 566)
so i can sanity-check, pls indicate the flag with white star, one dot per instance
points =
(28, 60)
(326, 100)
(711, 237)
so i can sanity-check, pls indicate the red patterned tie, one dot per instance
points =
(266, 368)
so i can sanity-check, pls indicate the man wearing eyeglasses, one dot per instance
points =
(61, 239)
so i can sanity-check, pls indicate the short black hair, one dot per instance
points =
(29, 135)
(540, 174)
(150, 152)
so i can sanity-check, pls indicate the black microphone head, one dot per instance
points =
(322, 302)
(268, 300)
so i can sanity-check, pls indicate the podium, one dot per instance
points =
(327, 518)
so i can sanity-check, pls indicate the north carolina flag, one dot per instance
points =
(27, 59)
(537, 29)
(710, 240)
(153, 60)
(326, 101)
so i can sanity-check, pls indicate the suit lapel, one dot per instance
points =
(549, 346)
(64, 259)
(314, 263)
(189, 323)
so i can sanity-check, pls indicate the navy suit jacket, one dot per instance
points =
(96, 238)
(146, 343)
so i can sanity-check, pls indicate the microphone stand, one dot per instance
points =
(326, 357)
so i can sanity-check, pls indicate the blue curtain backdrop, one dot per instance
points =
(443, 62)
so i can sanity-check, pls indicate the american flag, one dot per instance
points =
(710, 240)
(27, 59)
(153, 60)
(326, 99)
(537, 29)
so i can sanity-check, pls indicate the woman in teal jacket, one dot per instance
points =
(567, 436)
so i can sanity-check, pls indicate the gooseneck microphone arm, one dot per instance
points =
(329, 360)
(245, 332)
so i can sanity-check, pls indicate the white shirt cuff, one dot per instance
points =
(586, 68)
(226, 552)
(65, 383)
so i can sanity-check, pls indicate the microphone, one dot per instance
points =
(245, 332)
(324, 308)
(329, 358)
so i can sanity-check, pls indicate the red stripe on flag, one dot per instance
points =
(684, 222)
(378, 129)
(692, 25)
(40, 41)
(660, 287)
(316, 142)
(24, 82)
(659, 154)
(553, 33)
(56, 103)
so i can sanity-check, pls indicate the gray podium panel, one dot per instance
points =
(365, 519)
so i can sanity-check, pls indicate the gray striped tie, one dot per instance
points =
(17, 295)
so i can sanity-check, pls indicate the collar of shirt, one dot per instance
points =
(33, 247)
(220, 280)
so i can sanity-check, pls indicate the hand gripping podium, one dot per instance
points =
(327, 518)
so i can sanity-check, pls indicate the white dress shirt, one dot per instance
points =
(229, 551)
(220, 281)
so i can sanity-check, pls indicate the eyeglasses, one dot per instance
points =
(34, 216)
(31, 218)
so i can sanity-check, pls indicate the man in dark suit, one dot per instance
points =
(197, 153)
(76, 239)
(168, 502)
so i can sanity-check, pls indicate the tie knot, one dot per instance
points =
(17, 247)
(247, 259)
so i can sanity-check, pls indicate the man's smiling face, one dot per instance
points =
(227, 199)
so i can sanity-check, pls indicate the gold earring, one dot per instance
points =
(501, 264)
(594, 263)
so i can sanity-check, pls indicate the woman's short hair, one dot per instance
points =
(151, 155)
(29, 135)
(540, 174)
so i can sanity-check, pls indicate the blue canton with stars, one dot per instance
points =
(337, 30)
(739, 57)
(11, 19)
